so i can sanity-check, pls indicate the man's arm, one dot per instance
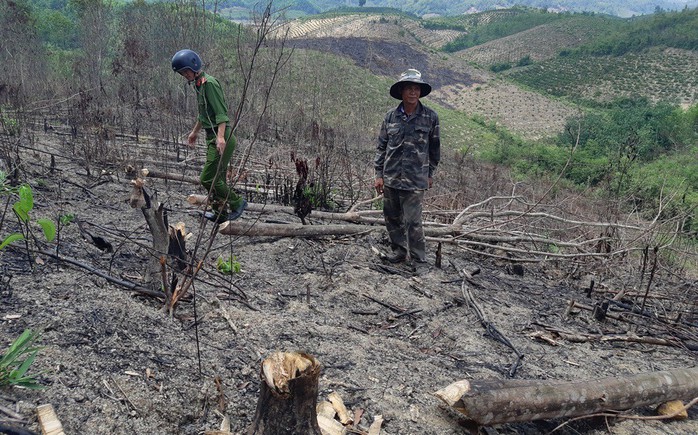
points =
(434, 148)
(220, 138)
(379, 160)
(191, 139)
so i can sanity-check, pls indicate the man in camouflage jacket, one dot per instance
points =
(408, 153)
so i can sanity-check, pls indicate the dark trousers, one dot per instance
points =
(403, 219)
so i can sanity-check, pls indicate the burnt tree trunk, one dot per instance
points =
(153, 212)
(169, 259)
(288, 396)
(495, 402)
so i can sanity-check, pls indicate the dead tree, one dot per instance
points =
(169, 258)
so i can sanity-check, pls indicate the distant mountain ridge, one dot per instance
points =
(621, 8)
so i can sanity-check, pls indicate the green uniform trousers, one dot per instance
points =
(213, 175)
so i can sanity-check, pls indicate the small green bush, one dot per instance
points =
(16, 361)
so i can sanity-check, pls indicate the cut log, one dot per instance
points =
(154, 173)
(201, 200)
(495, 402)
(254, 229)
(288, 396)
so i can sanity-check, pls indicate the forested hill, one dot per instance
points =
(621, 8)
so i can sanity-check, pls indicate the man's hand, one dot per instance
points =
(220, 144)
(379, 185)
(191, 139)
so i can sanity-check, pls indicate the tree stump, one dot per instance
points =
(287, 396)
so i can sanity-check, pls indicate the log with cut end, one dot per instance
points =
(255, 229)
(202, 200)
(288, 396)
(506, 401)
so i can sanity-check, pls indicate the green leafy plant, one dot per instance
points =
(16, 361)
(22, 207)
(10, 125)
(66, 219)
(229, 266)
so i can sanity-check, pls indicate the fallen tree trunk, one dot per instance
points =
(201, 200)
(288, 396)
(496, 402)
(242, 228)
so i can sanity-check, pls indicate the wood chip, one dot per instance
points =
(50, 425)
(330, 426)
(338, 405)
(675, 408)
(325, 409)
(375, 428)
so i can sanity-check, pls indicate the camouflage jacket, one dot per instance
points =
(409, 148)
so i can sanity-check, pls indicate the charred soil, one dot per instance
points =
(113, 363)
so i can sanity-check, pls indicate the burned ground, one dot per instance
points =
(389, 58)
(113, 363)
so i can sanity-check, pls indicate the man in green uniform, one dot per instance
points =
(213, 118)
(408, 152)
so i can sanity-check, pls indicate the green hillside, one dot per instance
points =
(539, 42)
(653, 57)
(629, 87)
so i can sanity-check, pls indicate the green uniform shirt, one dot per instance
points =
(211, 102)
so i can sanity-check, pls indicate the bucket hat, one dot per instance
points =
(409, 76)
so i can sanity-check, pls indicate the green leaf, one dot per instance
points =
(19, 373)
(49, 228)
(11, 238)
(25, 203)
(26, 198)
(17, 348)
(22, 214)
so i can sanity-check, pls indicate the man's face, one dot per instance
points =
(188, 74)
(411, 93)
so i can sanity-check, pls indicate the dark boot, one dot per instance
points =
(396, 256)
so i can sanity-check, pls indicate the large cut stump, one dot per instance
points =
(506, 401)
(288, 396)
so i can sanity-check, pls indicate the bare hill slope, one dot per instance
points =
(539, 43)
(386, 48)
(369, 26)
